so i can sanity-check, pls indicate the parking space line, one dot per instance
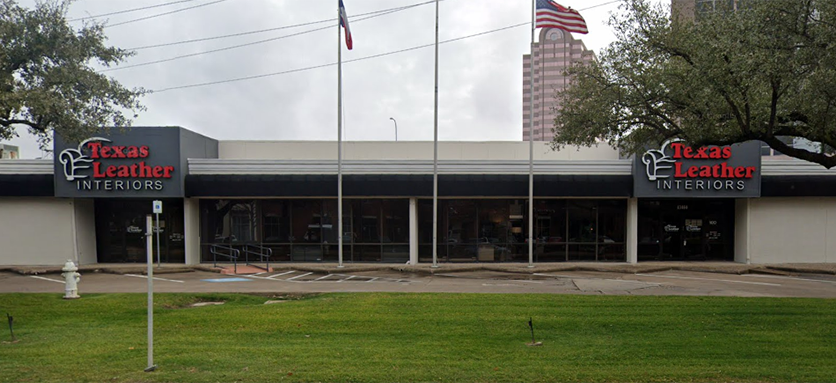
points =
(47, 279)
(155, 278)
(789, 278)
(285, 273)
(298, 276)
(708, 279)
(345, 279)
(373, 279)
(259, 277)
(323, 277)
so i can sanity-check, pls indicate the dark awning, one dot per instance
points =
(798, 186)
(27, 185)
(463, 185)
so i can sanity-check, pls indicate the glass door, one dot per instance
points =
(672, 235)
(692, 237)
(686, 230)
(120, 231)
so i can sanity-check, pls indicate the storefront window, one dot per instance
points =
(395, 222)
(496, 230)
(305, 230)
(276, 221)
(550, 226)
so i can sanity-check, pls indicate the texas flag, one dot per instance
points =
(344, 22)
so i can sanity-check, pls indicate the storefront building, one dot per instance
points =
(271, 200)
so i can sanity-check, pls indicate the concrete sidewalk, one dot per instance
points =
(427, 269)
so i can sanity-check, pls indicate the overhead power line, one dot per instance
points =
(357, 59)
(600, 5)
(269, 29)
(131, 10)
(163, 14)
(378, 14)
(334, 63)
(227, 36)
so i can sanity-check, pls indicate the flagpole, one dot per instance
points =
(435, 148)
(339, 139)
(531, 141)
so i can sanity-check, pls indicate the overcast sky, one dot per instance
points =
(480, 78)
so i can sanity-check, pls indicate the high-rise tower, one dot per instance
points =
(553, 54)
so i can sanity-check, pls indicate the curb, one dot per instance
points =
(425, 269)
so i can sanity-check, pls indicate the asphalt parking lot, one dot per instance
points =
(668, 282)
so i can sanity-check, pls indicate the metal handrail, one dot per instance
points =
(264, 253)
(230, 253)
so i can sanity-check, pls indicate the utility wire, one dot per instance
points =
(600, 5)
(164, 14)
(357, 59)
(269, 29)
(130, 10)
(334, 63)
(227, 36)
(382, 13)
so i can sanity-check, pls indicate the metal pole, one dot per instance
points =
(396, 127)
(339, 139)
(149, 242)
(435, 148)
(531, 143)
(158, 240)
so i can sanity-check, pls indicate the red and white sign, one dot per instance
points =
(126, 167)
(677, 169)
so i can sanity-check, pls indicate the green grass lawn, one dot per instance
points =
(420, 338)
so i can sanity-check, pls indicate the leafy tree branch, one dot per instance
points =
(764, 70)
(47, 80)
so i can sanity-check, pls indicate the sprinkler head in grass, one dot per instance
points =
(11, 326)
(531, 326)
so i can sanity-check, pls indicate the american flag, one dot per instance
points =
(553, 15)
(344, 22)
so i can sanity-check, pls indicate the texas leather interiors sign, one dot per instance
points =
(677, 169)
(138, 164)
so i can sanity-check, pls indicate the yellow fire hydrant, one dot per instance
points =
(71, 278)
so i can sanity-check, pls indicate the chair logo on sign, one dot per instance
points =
(84, 165)
(75, 160)
(657, 159)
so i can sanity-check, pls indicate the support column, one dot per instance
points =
(741, 231)
(191, 230)
(413, 231)
(632, 230)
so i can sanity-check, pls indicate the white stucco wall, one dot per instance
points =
(85, 219)
(407, 150)
(39, 231)
(792, 230)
